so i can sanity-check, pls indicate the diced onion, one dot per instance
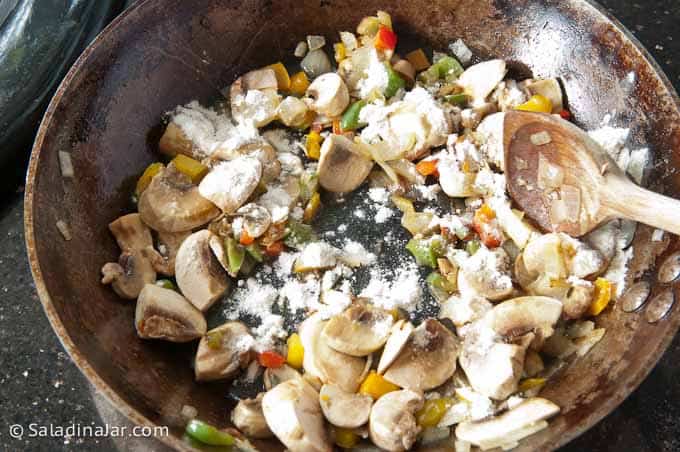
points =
(315, 42)
(407, 170)
(66, 164)
(349, 40)
(549, 176)
(316, 63)
(301, 49)
(540, 138)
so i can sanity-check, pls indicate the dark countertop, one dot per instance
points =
(39, 384)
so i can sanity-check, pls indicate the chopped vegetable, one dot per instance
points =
(457, 99)
(313, 145)
(315, 42)
(418, 59)
(214, 339)
(385, 19)
(297, 234)
(207, 434)
(447, 68)
(299, 84)
(271, 359)
(485, 224)
(403, 204)
(340, 52)
(565, 114)
(345, 437)
(376, 386)
(312, 208)
(385, 39)
(166, 284)
(337, 128)
(394, 82)
(148, 174)
(368, 26)
(245, 238)
(536, 103)
(416, 222)
(316, 63)
(602, 296)
(530, 383)
(433, 411)
(255, 252)
(300, 49)
(282, 77)
(296, 352)
(192, 168)
(426, 251)
(438, 281)
(309, 184)
(427, 167)
(350, 119)
(235, 256)
(274, 249)
(473, 246)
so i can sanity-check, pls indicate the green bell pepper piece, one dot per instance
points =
(255, 252)
(426, 252)
(350, 119)
(309, 184)
(235, 256)
(449, 68)
(298, 234)
(436, 279)
(207, 434)
(472, 246)
(457, 99)
(394, 82)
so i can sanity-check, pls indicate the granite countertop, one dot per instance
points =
(39, 383)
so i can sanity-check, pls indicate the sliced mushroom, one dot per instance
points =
(168, 244)
(344, 409)
(165, 314)
(359, 331)
(481, 79)
(329, 94)
(472, 117)
(406, 69)
(510, 426)
(491, 129)
(487, 274)
(174, 141)
(309, 332)
(223, 351)
(578, 300)
(341, 168)
(521, 315)
(293, 112)
(129, 276)
(399, 336)
(392, 423)
(172, 203)
(254, 97)
(259, 149)
(345, 371)
(256, 219)
(229, 184)
(294, 415)
(549, 88)
(274, 376)
(492, 367)
(247, 416)
(131, 233)
(199, 275)
(427, 360)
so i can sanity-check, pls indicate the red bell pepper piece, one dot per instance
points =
(386, 39)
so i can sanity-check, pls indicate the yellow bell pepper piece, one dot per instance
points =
(537, 103)
(340, 52)
(192, 168)
(602, 297)
(376, 386)
(299, 84)
(312, 208)
(432, 412)
(530, 383)
(282, 77)
(418, 60)
(345, 437)
(313, 145)
(296, 352)
(148, 174)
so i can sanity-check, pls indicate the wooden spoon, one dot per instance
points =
(570, 184)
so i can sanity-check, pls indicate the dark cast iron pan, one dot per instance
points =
(159, 54)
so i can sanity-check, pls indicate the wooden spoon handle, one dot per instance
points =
(627, 200)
